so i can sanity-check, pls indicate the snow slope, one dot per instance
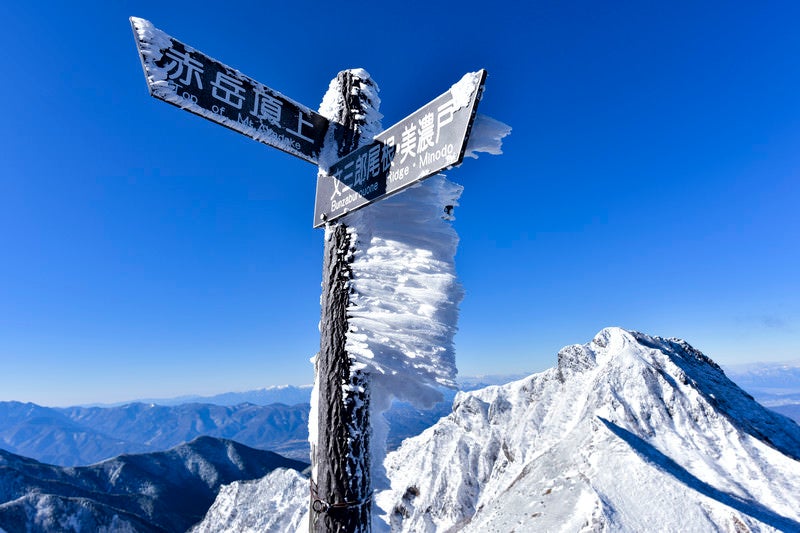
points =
(164, 491)
(276, 502)
(628, 433)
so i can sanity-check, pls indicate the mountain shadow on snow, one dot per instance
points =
(627, 431)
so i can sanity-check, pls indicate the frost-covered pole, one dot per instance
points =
(341, 488)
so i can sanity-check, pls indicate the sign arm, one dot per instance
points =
(178, 74)
(430, 140)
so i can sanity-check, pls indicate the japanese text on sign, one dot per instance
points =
(426, 142)
(193, 81)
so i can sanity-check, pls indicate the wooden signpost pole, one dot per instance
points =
(341, 489)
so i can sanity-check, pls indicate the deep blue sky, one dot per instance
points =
(650, 182)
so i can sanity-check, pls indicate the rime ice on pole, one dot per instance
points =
(185, 77)
(403, 289)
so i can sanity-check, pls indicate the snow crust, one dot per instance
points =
(333, 102)
(404, 292)
(627, 432)
(276, 502)
(464, 88)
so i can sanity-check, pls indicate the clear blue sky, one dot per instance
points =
(650, 182)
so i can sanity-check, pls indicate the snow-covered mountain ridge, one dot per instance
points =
(627, 433)
(157, 492)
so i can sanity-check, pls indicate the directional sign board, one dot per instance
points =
(180, 75)
(428, 141)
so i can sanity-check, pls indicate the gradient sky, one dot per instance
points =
(650, 182)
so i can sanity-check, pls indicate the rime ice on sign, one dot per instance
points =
(180, 75)
(430, 140)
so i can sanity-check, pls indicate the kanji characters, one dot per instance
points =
(362, 169)
(301, 121)
(346, 176)
(229, 90)
(444, 116)
(425, 139)
(374, 160)
(266, 106)
(408, 142)
(183, 64)
(387, 154)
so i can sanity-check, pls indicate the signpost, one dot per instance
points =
(430, 140)
(180, 75)
(366, 170)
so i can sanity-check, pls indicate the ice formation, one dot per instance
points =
(486, 136)
(404, 292)
(153, 44)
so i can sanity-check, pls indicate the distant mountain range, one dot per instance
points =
(75, 436)
(296, 394)
(159, 492)
(273, 418)
(627, 433)
(84, 435)
(285, 394)
(774, 385)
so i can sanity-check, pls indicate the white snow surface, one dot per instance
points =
(464, 88)
(628, 433)
(47, 512)
(276, 502)
(333, 102)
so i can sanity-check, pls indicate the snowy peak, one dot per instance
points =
(614, 345)
(644, 380)
(627, 431)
